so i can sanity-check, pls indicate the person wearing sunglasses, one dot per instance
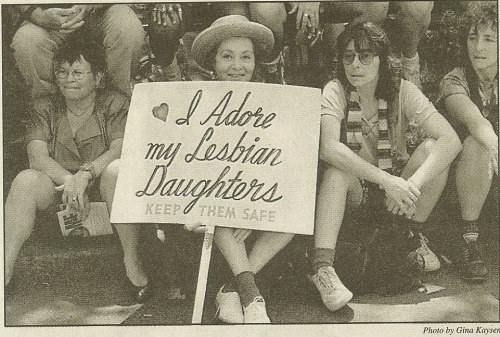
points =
(367, 165)
(74, 141)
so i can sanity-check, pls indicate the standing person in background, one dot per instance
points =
(231, 48)
(43, 29)
(365, 117)
(469, 96)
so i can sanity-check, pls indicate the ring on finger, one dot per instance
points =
(170, 8)
(163, 8)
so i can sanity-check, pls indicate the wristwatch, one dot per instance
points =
(89, 167)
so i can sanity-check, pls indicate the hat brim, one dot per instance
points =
(261, 36)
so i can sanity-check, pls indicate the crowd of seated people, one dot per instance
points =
(78, 63)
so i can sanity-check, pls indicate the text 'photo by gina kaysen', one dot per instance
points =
(239, 163)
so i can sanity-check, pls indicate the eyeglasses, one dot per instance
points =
(78, 75)
(365, 57)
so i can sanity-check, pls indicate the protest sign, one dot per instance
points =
(240, 155)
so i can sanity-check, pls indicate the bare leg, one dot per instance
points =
(128, 233)
(432, 190)
(335, 187)
(234, 252)
(473, 179)
(31, 190)
(273, 16)
(412, 21)
(266, 247)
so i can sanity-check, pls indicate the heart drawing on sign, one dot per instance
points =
(161, 112)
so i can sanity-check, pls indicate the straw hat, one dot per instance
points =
(225, 28)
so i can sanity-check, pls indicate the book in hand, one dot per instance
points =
(97, 223)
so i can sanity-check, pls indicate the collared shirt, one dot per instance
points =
(411, 110)
(50, 124)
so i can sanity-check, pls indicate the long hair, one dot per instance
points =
(369, 36)
(477, 13)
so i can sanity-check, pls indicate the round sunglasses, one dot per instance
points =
(365, 57)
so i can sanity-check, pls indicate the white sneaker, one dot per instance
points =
(228, 306)
(427, 260)
(334, 293)
(256, 312)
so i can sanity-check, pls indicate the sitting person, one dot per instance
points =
(74, 142)
(365, 116)
(43, 29)
(272, 15)
(231, 47)
(469, 95)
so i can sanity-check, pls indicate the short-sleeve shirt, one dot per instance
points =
(50, 124)
(413, 108)
(455, 83)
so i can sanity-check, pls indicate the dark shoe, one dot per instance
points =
(142, 294)
(471, 263)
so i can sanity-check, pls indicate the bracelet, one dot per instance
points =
(89, 167)
(27, 13)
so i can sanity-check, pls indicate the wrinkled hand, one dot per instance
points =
(401, 191)
(167, 14)
(307, 15)
(76, 21)
(394, 208)
(53, 18)
(241, 234)
(74, 191)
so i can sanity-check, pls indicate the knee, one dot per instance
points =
(31, 185)
(28, 180)
(417, 13)
(372, 11)
(271, 15)
(424, 150)
(123, 27)
(109, 176)
(474, 150)
(28, 38)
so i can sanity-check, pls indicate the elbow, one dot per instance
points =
(329, 153)
(454, 144)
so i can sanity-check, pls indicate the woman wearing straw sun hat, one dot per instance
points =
(231, 48)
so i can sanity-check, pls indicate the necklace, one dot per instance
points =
(75, 114)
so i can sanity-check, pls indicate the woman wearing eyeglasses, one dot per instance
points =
(365, 117)
(74, 140)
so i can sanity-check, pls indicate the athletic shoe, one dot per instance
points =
(229, 307)
(334, 293)
(255, 312)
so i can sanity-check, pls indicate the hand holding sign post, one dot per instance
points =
(241, 155)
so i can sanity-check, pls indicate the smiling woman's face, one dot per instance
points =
(77, 81)
(235, 60)
(482, 46)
